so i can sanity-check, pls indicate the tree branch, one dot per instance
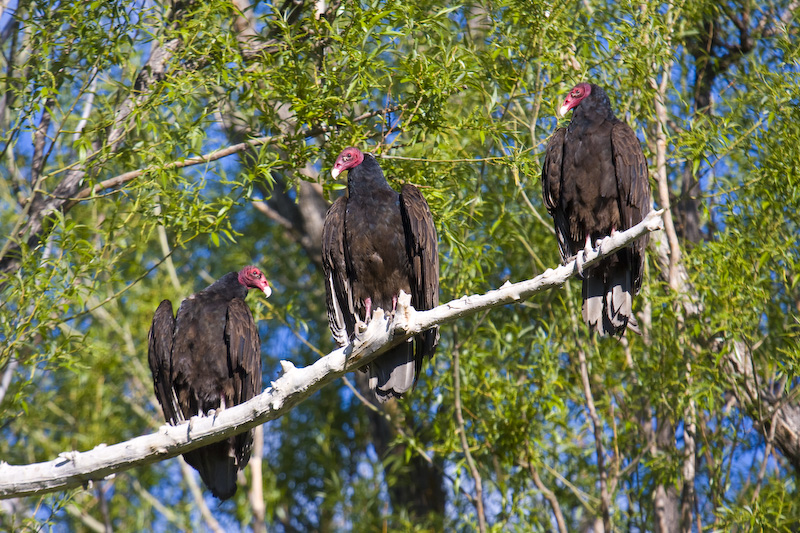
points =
(197, 496)
(661, 176)
(476, 476)
(549, 495)
(675, 281)
(605, 500)
(116, 181)
(256, 494)
(121, 179)
(767, 406)
(72, 468)
(8, 373)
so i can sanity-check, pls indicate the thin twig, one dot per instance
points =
(428, 160)
(272, 214)
(118, 293)
(8, 373)
(197, 495)
(767, 452)
(87, 105)
(549, 495)
(256, 494)
(165, 511)
(406, 439)
(534, 211)
(166, 251)
(88, 520)
(605, 501)
(103, 504)
(188, 162)
(585, 499)
(199, 160)
(476, 476)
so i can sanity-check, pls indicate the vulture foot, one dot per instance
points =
(390, 315)
(367, 310)
(599, 243)
(580, 258)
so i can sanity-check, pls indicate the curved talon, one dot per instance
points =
(599, 243)
(367, 310)
(580, 257)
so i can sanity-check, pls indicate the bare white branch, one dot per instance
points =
(73, 468)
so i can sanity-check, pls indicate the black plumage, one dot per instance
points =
(208, 357)
(375, 243)
(594, 182)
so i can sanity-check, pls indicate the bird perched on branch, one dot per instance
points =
(375, 243)
(206, 358)
(594, 183)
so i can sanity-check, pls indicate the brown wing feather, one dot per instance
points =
(551, 192)
(338, 290)
(244, 351)
(551, 170)
(244, 354)
(159, 356)
(422, 246)
(634, 190)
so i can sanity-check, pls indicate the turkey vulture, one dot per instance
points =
(209, 357)
(594, 182)
(376, 243)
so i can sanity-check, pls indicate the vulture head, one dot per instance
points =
(252, 278)
(575, 97)
(349, 158)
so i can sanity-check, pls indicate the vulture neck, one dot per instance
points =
(229, 286)
(595, 109)
(366, 178)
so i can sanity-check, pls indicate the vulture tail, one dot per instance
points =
(217, 466)
(608, 302)
(393, 373)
